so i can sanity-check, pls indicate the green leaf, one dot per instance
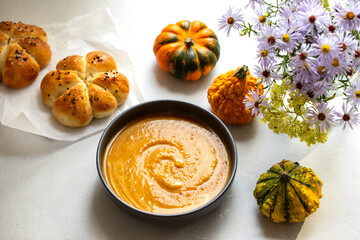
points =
(330, 98)
(325, 3)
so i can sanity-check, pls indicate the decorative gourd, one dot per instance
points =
(227, 93)
(187, 50)
(288, 192)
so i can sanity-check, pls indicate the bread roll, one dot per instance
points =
(3, 50)
(19, 69)
(23, 52)
(99, 61)
(38, 49)
(114, 82)
(55, 83)
(81, 89)
(102, 101)
(73, 108)
(75, 63)
(21, 30)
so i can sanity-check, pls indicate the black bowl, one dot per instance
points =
(175, 107)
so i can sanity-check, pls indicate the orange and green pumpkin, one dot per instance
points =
(288, 192)
(187, 50)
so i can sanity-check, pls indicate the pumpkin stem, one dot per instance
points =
(189, 42)
(241, 72)
(284, 176)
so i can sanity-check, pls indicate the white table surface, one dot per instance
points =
(51, 190)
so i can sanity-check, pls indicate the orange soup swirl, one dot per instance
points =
(166, 164)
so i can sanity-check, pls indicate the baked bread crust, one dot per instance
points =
(73, 108)
(80, 89)
(55, 83)
(73, 62)
(114, 82)
(103, 102)
(23, 52)
(99, 61)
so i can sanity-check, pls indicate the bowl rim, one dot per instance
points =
(107, 131)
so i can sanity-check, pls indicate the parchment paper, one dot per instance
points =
(24, 110)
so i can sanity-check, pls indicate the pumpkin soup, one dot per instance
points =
(166, 164)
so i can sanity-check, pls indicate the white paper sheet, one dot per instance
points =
(23, 109)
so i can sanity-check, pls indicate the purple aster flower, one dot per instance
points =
(267, 73)
(265, 56)
(305, 76)
(253, 3)
(304, 58)
(347, 44)
(304, 64)
(288, 15)
(260, 18)
(331, 28)
(353, 92)
(338, 67)
(298, 86)
(311, 16)
(345, 15)
(289, 36)
(327, 48)
(287, 11)
(268, 37)
(356, 55)
(230, 20)
(319, 88)
(323, 74)
(348, 117)
(308, 90)
(321, 116)
(253, 101)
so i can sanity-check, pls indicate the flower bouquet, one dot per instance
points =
(308, 60)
